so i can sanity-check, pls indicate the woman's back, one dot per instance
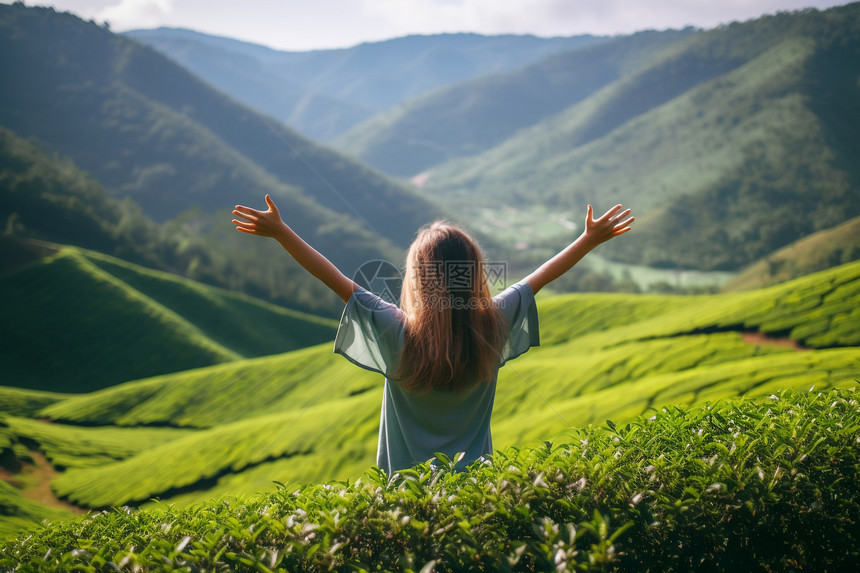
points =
(415, 424)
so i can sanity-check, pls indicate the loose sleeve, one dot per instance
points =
(517, 304)
(370, 333)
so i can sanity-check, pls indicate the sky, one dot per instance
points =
(317, 24)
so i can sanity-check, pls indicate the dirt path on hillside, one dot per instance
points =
(761, 338)
(35, 481)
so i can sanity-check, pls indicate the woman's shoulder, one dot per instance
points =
(374, 310)
(516, 293)
(373, 302)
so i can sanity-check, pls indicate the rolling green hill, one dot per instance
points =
(77, 321)
(721, 171)
(309, 415)
(473, 116)
(321, 93)
(818, 251)
(148, 129)
(26, 401)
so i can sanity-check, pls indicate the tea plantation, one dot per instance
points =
(309, 417)
(745, 485)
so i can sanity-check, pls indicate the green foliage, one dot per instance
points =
(745, 485)
(247, 326)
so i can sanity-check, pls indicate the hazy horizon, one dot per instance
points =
(329, 24)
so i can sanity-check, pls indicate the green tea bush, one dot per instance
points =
(767, 485)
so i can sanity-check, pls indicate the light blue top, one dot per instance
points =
(414, 426)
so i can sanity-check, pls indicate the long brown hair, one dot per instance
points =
(453, 331)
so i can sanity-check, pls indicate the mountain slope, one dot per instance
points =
(250, 73)
(78, 321)
(321, 93)
(48, 202)
(472, 116)
(816, 252)
(147, 129)
(721, 172)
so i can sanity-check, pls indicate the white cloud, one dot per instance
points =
(137, 13)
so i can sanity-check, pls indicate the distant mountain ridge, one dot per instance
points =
(148, 129)
(322, 93)
(732, 144)
(475, 115)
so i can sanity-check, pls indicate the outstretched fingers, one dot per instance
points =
(619, 216)
(246, 220)
(246, 212)
(246, 224)
(624, 226)
(610, 215)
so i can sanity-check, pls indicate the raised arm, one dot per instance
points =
(613, 223)
(269, 224)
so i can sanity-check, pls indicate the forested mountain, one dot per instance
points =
(148, 129)
(322, 93)
(472, 116)
(48, 199)
(733, 143)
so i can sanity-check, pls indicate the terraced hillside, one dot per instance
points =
(310, 416)
(78, 320)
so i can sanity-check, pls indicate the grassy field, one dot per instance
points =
(115, 321)
(310, 416)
